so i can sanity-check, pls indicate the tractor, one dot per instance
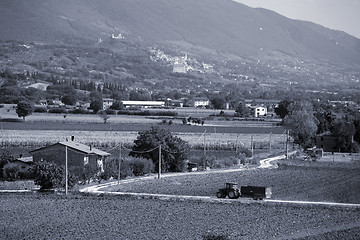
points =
(231, 190)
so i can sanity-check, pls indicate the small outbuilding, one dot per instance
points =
(18, 168)
(78, 155)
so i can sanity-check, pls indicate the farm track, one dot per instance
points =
(268, 163)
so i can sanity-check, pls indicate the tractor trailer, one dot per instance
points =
(232, 191)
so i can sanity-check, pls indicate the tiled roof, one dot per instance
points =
(79, 147)
(84, 148)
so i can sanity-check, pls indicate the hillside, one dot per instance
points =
(236, 41)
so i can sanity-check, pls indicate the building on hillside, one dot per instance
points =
(201, 102)
(180, 65)
(144, 104)
(176, 103)
(107, 103)
(78, 155)
(270, 104)
(258, 111)
(18, 168)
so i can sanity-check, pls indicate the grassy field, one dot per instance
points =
(36, 216)
(329, 182)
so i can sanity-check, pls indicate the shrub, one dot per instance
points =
(110, 111)
(140, 166)
(11, 171)
(10, 120)
(49, 176)
(40, 109)
(79, 111)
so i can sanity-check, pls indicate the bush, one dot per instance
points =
(130, 166)
(140, 166)
(40, 109)
(78, 111)
(49, 176)
(11, 171)
(110, 111)
(10, 120)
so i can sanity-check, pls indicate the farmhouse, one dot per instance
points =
(201, 102)
(258, 111)
(78, 155)
(269, 104)
(107, 102)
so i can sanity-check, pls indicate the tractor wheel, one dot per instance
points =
(220, 195)
(232, 195)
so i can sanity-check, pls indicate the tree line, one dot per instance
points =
(306, 120)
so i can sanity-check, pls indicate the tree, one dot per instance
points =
(96, 102)
(61, 89)
(302, 123)
(24, 109)
(173, 149)
(69, 99)
(49, 176)
(326, 120)
(242, 110)
(283, 109)
(218, 102)
(344, 131)
(140, 95)
(117, 105)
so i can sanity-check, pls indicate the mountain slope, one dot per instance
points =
(209, 26)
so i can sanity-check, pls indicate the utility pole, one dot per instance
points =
(287, 144)
(237, 144)
(159, 174)
(252, 145)
(119, 173)
(205, 150)
(66, 170)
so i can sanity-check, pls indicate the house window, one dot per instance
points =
(86, 160)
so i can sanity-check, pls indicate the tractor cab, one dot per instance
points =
(231, 190)
(231, 185)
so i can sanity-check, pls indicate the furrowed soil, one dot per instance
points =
(298, 180)
(49, 216)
